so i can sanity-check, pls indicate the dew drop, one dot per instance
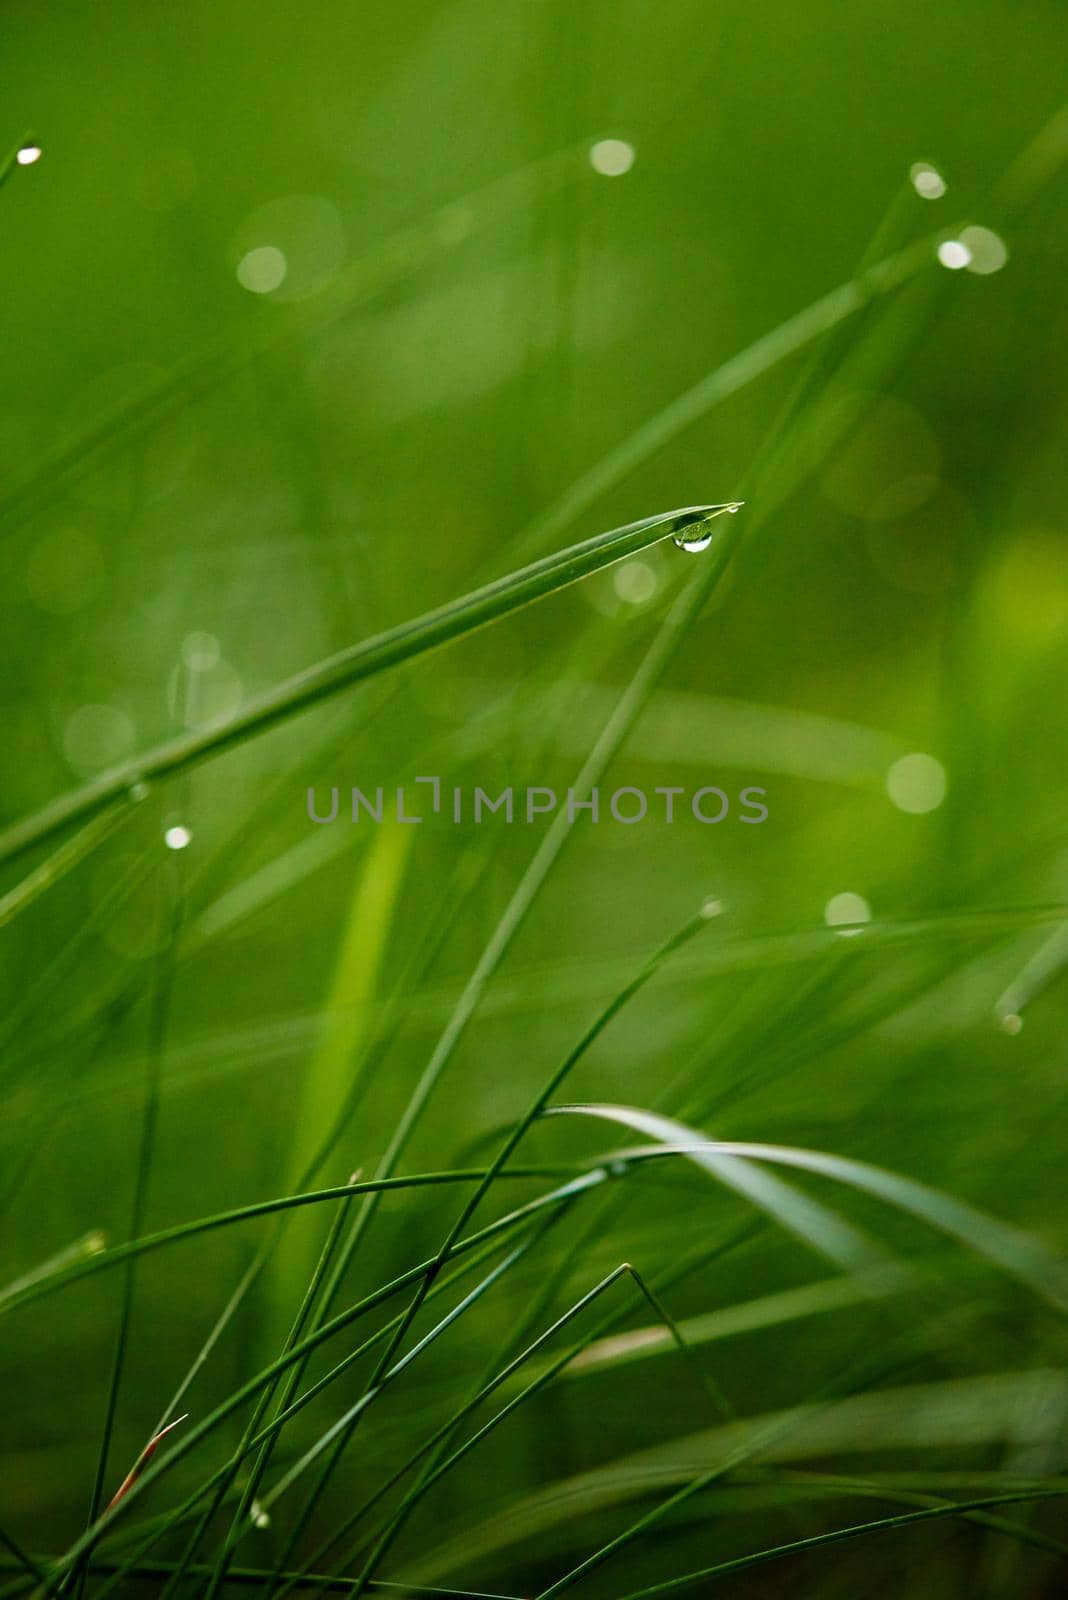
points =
(845, 909)
(137, 791)
(177, 838)
(698, 533)
(1011, 1023)
(694, 540)
(27, 154)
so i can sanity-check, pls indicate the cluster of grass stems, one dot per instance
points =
(266, 1470)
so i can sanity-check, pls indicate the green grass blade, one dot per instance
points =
(903, 1519)
(819, 1227)
(349, 667)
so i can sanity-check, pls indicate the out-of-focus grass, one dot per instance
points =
(323, 322)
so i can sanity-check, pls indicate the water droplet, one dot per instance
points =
(177, 838)
(843, 909)
(27, 154)
(695, 539)
(137, 791)
(617, 1169)
(699, 532)
(1011, 1023)
(258, 1517)
(712, 908)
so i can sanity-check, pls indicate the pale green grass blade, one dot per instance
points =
(816, 1225)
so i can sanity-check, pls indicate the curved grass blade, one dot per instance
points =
(318, 1582)
(443, 1436)
(790, 337)
(963, 1413)
(412, 1498)
(354, 665)
(1043, 968)
(722, 1569)
(817, 1226)
(270, 1432)
(33, 1286)
(247, 1390)
(138, 1203)
(56, 866)
(142, 1462)
(1014, 1251)
(877, 1489)
(748, 1316)
(844, 1241)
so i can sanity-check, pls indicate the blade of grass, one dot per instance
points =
(258, 1578)
(822, 1230)
(247, 1495)
(104, 1259)
(795, 334)
(876, 1489)
(271, 1430)
(624, 1271)
(422, 955)
(444, 1434)
(1014, 1251)
(354, 665)
(56, 866)
(154, 1057)
(346, 1027)
(834, 1235)
(747, 1316)
(616, 730)
(247, 1390)
(299, 1467)
(902, 1519)
(26, 1562)
(960, 1413)
(862, 1372)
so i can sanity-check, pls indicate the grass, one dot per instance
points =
(371, 1288)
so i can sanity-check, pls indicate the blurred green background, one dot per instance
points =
(314, 318)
